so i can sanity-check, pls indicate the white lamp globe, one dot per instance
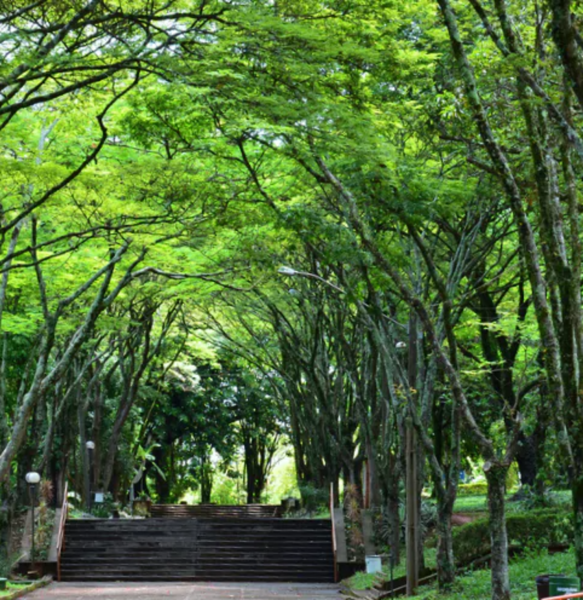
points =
(90, 445)
(32, 478)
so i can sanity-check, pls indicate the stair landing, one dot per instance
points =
(182, 591)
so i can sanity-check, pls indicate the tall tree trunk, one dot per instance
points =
(526, 457)
(577, 494)
(206, 482)
(394, 522)
(85, 467)
(496, 477)
(97, 424)
(420, 484)
(445, 558)
(372, 484)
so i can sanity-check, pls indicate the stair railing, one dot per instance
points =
(62, 523)
(334, 539)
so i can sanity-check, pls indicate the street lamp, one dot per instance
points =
(90, 447)
(33, 479)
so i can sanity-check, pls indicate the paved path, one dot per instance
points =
(185, 591)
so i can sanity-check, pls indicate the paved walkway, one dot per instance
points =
(185, 591)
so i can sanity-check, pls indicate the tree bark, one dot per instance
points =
(85, 467)
(445, 557)
(496, 477)
(526, 457)
(577, 493)
(206, 482)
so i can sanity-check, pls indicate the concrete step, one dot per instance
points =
(249, 549)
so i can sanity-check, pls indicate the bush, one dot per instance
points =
(45, 519)
(536, 528)
(314, 498)
(104, 509)
(540, 528)
(527, 498)
(513, 477)
(476, 488)
(428, 516)
(471, 541)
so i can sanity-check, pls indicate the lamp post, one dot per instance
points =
(289, 272)
(33, 479)
(90, 447)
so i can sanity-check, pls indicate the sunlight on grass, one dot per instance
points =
(11, 588)
(366, 581)
(475, 585)
(523, 571)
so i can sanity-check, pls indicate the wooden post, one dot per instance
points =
(412, 518)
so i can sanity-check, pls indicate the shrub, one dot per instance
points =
(104, 509)
(7, 562)
(45, 518)
(540, 527)
(44, 531)
(529, 499)
(428, 516)
(513, 477)
(314, 498)
(383, 528)
(536, 528)
(46, 491)
(475, 488)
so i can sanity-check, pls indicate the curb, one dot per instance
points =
(29, 588)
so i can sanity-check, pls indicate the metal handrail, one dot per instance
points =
(567, 596)
(62, 523)
(334, 541)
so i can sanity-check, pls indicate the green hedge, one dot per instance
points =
(478, 488)
(535, 528)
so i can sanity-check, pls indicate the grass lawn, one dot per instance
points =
(475, 585)
(366, 581)
(465, 504)
(469, 504)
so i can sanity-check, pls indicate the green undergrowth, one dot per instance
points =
(478, 503)
(542, 527)
(471, 504)
(527, 529)
(44, 532)
(475, 585)
(14, 587)
(479, 488)
(366, 581)
(321, 513)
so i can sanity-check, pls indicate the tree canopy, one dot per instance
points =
(226, 226)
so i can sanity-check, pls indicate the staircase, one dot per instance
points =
(284, 550)
(211, 511)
